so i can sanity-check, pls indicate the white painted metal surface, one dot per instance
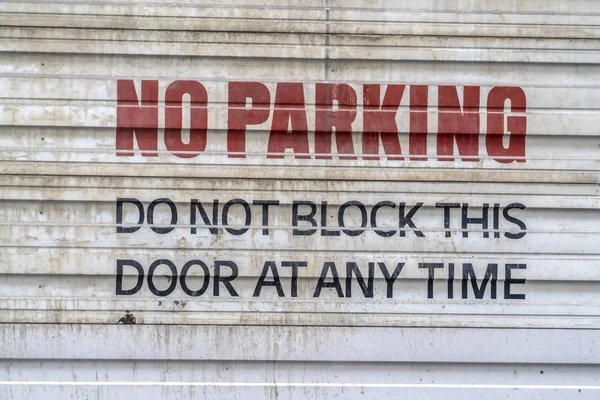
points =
(443, 245)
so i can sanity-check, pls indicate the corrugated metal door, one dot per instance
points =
(361, 199)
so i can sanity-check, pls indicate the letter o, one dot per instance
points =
(171, 288)
(363, 213)
(247, 211)
(162, 231)
(183, 277)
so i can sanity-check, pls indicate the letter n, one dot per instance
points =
(456, 123)
(137, 119)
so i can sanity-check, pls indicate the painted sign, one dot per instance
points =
(336, 112)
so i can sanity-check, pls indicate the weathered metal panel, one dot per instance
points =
(356, 199)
